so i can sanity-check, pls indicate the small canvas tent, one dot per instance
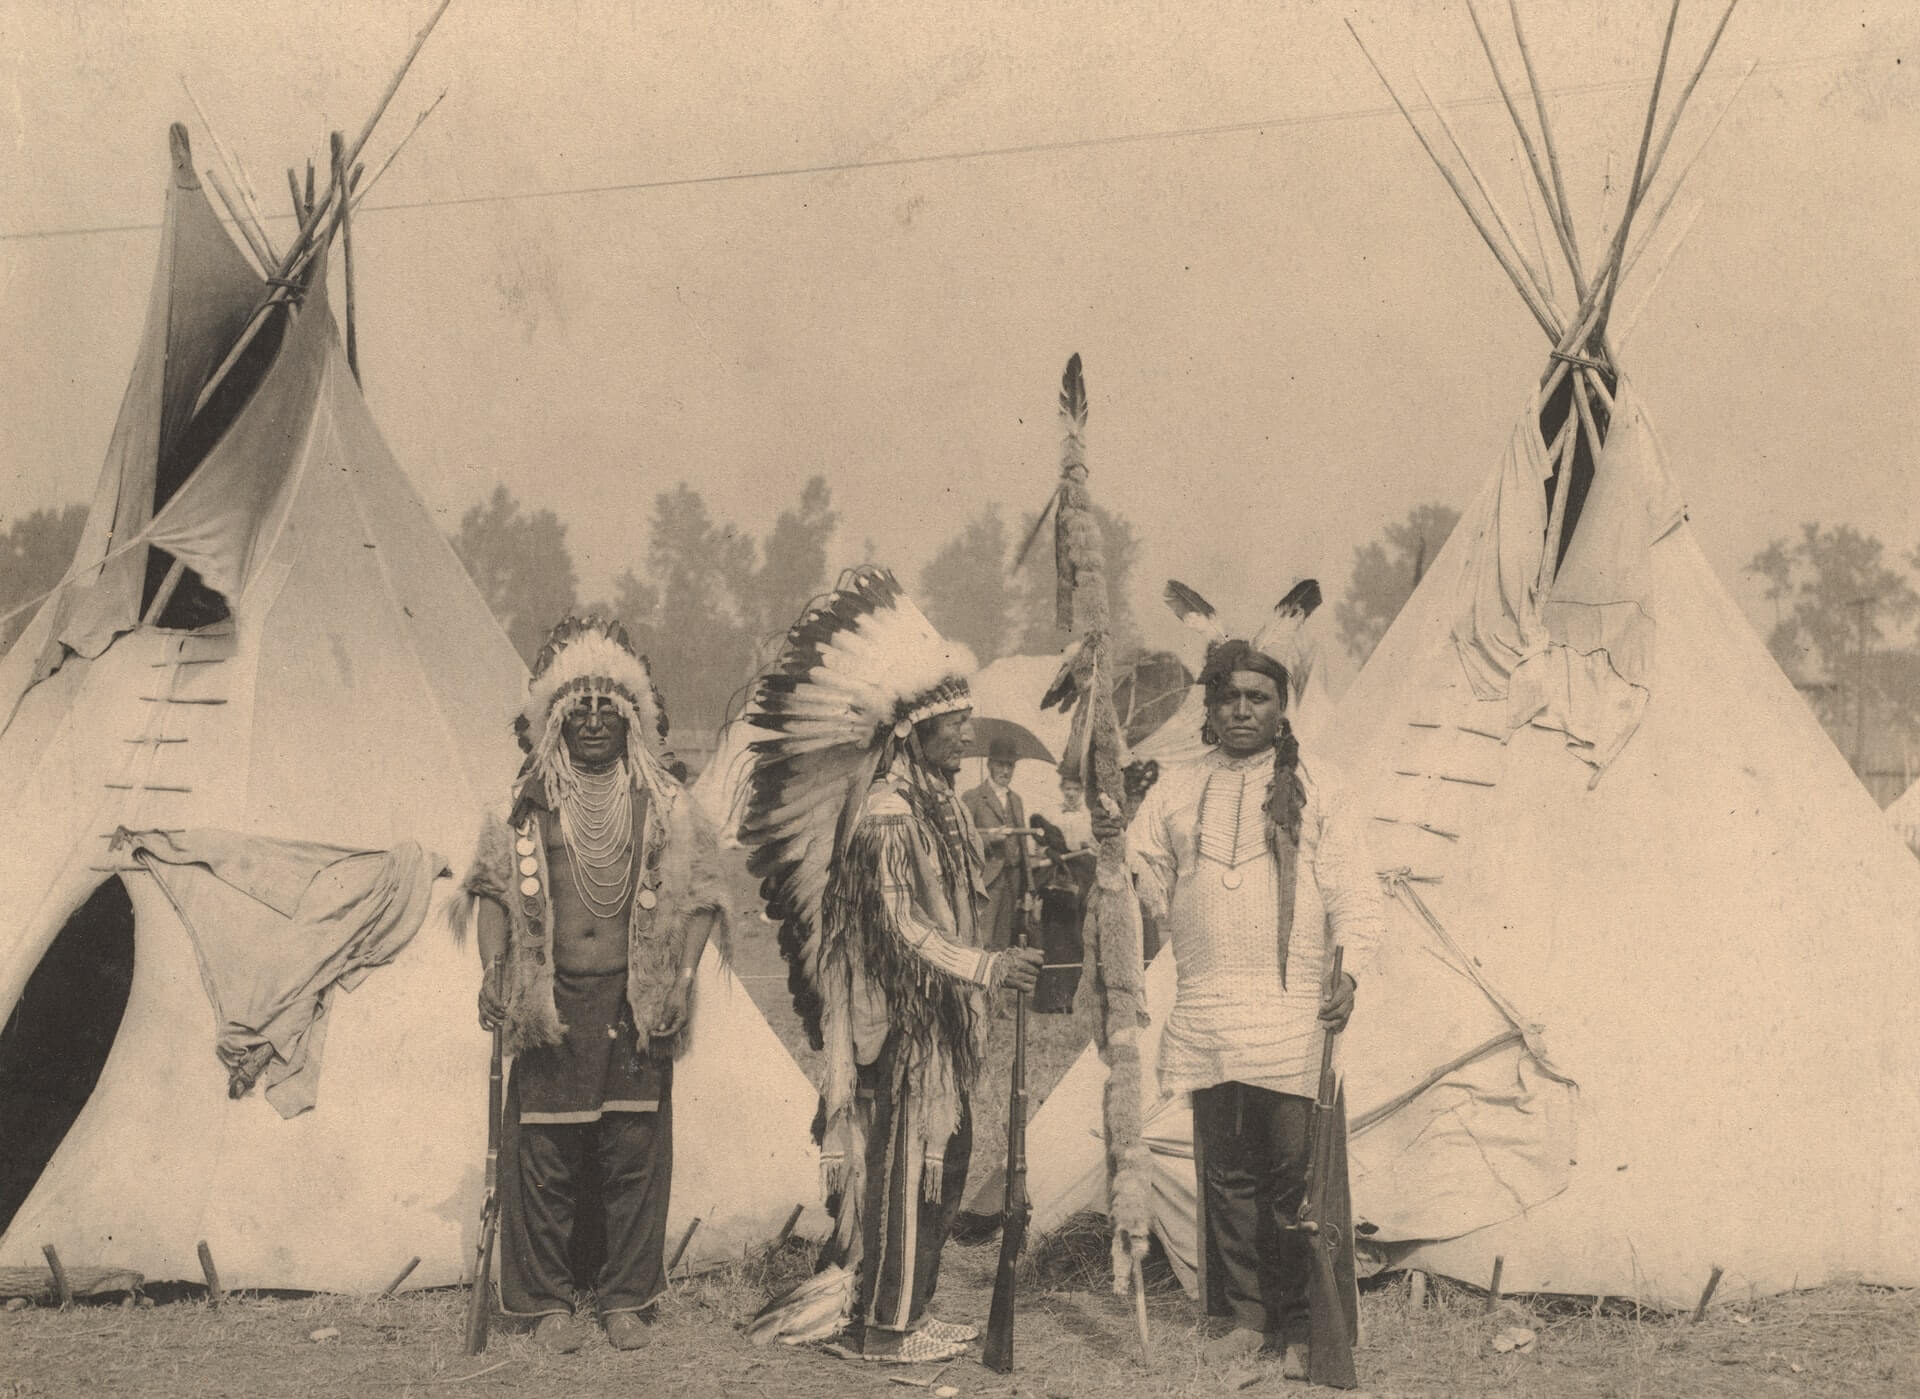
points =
(337, 679)
(1645, 1004)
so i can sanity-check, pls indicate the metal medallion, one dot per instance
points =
(646, 898)
(529, 865)
(529, 886)
(524, 845)
(1231, 879)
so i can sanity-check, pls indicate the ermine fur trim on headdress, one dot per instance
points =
(592, 662)
(590, 658)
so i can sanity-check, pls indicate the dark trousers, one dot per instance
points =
(542, 1173)
(1003, 899)
(903, 1231)
(1253, 1142)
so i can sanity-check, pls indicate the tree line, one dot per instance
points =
(709, 602)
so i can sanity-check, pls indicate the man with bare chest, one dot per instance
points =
(596, 900)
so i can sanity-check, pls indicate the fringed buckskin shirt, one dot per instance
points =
(1203, 864)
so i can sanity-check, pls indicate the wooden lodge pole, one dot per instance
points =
(338, 142)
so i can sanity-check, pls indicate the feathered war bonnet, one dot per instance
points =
(859, 669)
(591, 658)
(1283, 650)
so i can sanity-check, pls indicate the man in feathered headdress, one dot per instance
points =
(596, 898)
(1257, 866)
(873, 869)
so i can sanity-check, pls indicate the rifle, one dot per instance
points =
(480, 1299)
(997, 1353)
(1332, 1304)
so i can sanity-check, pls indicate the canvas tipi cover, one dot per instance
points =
(359, 695)
(1628, 1022)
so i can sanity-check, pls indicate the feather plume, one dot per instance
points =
(854, 666)
(1076, 665)
(1286, 637)
(1193, 610)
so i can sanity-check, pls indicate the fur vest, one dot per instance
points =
(678, 865)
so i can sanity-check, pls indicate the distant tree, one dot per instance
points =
(965, 589)
(793, 563)
(1385, 573)
(1037, 616)
(698, 648)
(1842, 621)
(521, 566)
(35, 553)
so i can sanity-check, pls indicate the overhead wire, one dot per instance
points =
(1065, 144)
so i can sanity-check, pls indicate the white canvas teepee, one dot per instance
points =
(358, 694)
(1644, 1006)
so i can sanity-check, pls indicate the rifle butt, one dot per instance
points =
(996, 1351)
(480, 1298)
(1330, 1342)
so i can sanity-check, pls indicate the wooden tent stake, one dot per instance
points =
(400, 1277)
(786, 1230)
(1706, 1295)
(216, 1294)
(62, 1289)
(1493, 1287)
(685, 1239)
(1416, 1290)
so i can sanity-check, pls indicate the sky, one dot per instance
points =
(737, 244)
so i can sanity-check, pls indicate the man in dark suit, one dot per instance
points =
(995, 807)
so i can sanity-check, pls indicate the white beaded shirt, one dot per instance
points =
(1201, 861)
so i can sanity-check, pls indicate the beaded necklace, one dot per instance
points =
(596, 822)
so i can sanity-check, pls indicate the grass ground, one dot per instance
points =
(1075, 1338)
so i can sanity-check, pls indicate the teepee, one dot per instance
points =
(265, 643)
(1644, 1006)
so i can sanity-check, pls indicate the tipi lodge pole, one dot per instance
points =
(338, 142)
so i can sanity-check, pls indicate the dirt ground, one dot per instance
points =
(1075, 1338)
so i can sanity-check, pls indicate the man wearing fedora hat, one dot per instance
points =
(998, 813)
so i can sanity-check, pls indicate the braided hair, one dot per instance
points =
(1286, 795)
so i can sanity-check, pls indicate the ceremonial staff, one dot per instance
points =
(1112, 974)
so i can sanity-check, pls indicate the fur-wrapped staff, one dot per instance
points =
(872, 867)
(1113, 983)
